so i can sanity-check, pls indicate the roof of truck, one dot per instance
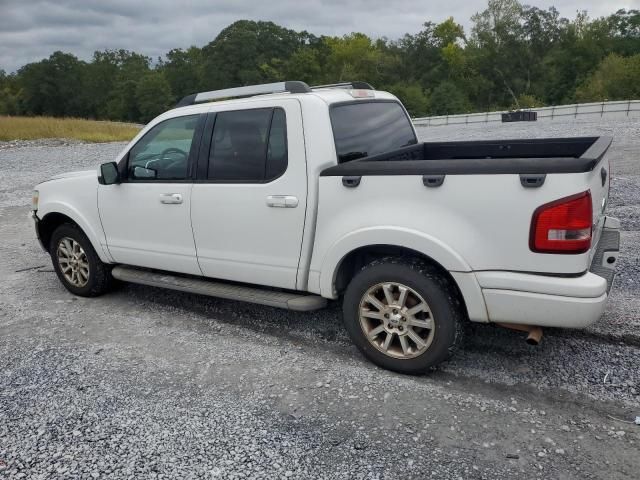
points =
(328, 93)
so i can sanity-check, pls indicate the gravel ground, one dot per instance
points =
(145, 383)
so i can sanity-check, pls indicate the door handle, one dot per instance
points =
(170, 198)
(282, 201)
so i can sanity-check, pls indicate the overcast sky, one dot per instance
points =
(32, 29)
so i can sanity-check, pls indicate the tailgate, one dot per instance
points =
(605, 243)
(599, 182)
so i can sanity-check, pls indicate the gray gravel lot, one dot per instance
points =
(145, 383)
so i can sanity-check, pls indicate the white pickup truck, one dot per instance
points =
(289, 196)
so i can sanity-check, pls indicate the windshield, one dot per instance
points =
(362, 129)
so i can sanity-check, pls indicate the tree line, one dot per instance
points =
(515, 56)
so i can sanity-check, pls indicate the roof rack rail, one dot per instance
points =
(354, 85)
(248, 91)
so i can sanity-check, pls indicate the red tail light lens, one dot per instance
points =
(563, 226)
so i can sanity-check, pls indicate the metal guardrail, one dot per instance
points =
(620, 109)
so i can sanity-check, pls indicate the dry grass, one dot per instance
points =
(31, 128)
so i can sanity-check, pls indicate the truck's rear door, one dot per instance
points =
(249, 200)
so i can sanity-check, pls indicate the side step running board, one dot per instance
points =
(291, 301)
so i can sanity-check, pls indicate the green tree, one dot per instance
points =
(498, 49)
(124, 69)
(182, 69)
(413, 98)
(419, 55)
(617, 78)
(352, 56)
(9, 95)
(235, 56)
(448, 32)
(122, 104)
(454, 60)
(625, 31)
(304, 65)
(448, 99)
(153, 96)
(106, 76)
(51, 86)
(583, 43)
(514, 57)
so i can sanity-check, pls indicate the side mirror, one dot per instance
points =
(109, 174)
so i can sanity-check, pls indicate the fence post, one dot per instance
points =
(602, 110)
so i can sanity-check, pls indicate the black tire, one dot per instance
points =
(99, 279)
(436, 289)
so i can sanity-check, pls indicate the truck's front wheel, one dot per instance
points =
(403, 314)
(77, 264)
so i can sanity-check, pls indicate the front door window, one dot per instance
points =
(163, 153)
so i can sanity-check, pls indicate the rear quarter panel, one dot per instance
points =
(470, 223)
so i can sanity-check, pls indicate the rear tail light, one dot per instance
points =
(563, 226)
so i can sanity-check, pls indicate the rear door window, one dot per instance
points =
(362, 129)
(248, 146)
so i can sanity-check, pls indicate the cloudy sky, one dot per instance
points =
(32, 29)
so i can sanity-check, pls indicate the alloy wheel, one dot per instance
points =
(396, 320)
(73, 262)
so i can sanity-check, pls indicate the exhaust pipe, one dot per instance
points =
(534, 336)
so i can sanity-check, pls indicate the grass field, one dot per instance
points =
(31, 128)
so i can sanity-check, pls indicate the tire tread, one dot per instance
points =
(445, 287)
(100, 279)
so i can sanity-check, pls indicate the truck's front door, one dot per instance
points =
(146, 218)
(249, 200)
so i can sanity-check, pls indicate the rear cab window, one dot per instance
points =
(365, 128)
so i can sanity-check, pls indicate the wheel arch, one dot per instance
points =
(52, 219)
(346, 258)
(47, 225)
(356, 259)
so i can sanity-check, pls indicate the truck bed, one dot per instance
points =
(467, 205)
(530, 156)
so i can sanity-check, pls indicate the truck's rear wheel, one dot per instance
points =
(403, 314)
(77, 264)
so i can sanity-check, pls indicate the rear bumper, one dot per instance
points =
(527, 308)
(568, 302)
(605, 257)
